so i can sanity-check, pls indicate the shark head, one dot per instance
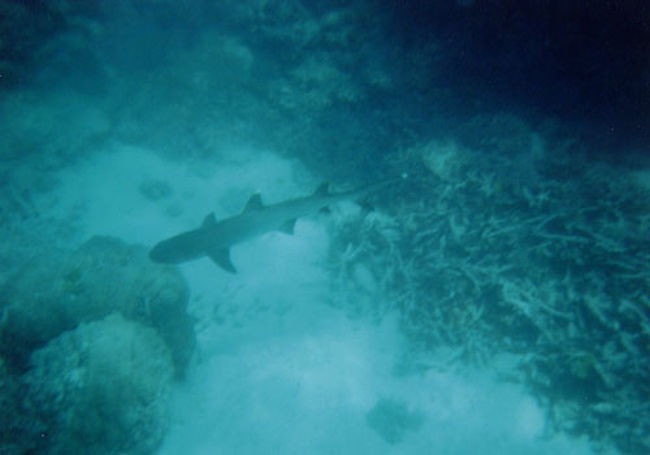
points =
(163, 253)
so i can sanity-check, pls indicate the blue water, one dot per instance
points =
(492, 299)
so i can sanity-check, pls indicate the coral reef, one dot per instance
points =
(105, 275)
(101, 388)
(58, 128)
(547, 283)
(12, 421)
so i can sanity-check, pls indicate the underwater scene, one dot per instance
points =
(324, 227)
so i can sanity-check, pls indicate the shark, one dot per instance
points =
(214, 238)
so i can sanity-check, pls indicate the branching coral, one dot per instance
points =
(555, 272)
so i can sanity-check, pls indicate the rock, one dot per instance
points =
(155, 190)
(393, 420)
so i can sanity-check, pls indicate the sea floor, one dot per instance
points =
(278, 367)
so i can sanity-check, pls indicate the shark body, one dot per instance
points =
(214, 239)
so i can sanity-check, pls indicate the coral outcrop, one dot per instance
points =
(101, 388)
(103, 276)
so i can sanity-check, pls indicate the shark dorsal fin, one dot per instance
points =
(254, 203)
(209, 220)
(322, 190)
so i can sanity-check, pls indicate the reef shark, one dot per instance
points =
(214, 238)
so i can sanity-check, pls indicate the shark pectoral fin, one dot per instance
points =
(209, 220)
(322, 190)
(288, 226)
(366, 208)
(222, 259)
(254, 203)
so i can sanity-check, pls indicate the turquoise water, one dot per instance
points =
(493, 298)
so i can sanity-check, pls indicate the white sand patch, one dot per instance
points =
(103, 195)
(309, 387)
(276, 272)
